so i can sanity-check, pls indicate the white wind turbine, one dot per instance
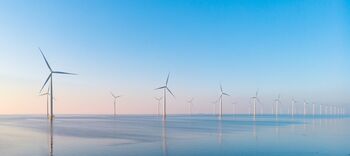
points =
(214, 103)
(159, 99)
(293, 105)
(165, 89)
(305, 107)
(255, 100)
(47, 101)
(234, 108)
(190, 102)
(313, 109)
(50, 77)
(221, 94)
(277, 102)
(115, 103)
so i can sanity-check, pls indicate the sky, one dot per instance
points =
(298, 49)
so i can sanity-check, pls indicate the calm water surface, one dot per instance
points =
(180, 135)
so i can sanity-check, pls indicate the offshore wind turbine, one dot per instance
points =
(47, 101)
(114, 103)
(305, 107)
(159, 99)
(277, 102)
(255, 100)
(221, 94)
(165, 89)
(190, 102)
(214, 103)
(293, 103)
(234, 108)
(50, 77)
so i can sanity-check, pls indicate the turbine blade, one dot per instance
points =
(59, 72)
(45, 83)
(226, 94)
(160, 88)
(113, 95)
(167, 80)
(221, 88)
(43, 94)
(47, 63)
(170, 92)
(257, 99)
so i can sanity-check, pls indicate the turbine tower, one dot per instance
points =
(190, 102)
(255, 100)
(165, 89)
(50, 77)
(114, 103)
(221, 94)
(159, 99)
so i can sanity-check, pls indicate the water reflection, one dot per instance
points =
(164, 139)
(50, 143)
(219, 132)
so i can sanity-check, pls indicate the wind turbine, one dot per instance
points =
(47, 101)
(277, 102)
(293, 103)
(305, 107)
(114, 103)
(159, 99)
(221, 94)
(214, 103)
(190, 102)
(165, 89)
(255, 100)
(50, 77)
(313, 109)
(234, 108)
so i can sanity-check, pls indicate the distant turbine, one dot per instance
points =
(305, 107)
(277, 102)
(114, 103)
(50, 77)
(214, 103)
(255, 100)
(313, 109)
(159, 99)
(47, 101)
(320, 109)
(165, 89)
(221, 94)
(190, 102)
(293, 103)
(234, 108)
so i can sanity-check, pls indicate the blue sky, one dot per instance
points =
(296, 48)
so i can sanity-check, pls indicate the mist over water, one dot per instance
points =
(179, 135)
